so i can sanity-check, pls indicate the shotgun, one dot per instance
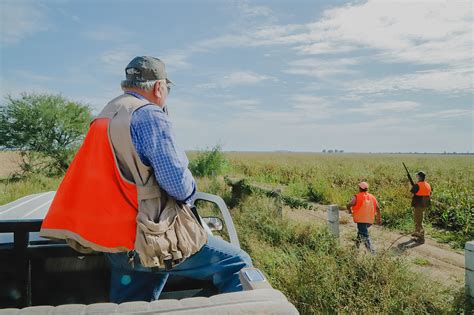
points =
(408, 174)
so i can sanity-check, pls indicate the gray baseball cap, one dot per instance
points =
(146, 68)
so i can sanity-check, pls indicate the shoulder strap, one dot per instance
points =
(120, 111)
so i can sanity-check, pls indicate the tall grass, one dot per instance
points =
(333, 179)
(304, 261)
(319, 276)
(12, 189)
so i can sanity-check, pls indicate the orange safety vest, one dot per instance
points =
(425, 189)
(94, 202)
(364, 209)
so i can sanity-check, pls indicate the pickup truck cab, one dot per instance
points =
(43, 276)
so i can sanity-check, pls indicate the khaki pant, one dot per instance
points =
(418, 218)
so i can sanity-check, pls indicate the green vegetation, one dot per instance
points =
(319, 276)
(45, 129)
(208, 163)
(421, 261)
(303, 260)
(333, 179)
(12, 189)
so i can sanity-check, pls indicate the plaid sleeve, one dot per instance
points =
(155, 143)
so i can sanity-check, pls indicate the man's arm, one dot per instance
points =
(155, 143)
(414, 189)
(351, 204)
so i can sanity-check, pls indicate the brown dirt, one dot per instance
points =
(433, 260)
(9, 163)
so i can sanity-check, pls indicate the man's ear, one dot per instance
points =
(156, 89)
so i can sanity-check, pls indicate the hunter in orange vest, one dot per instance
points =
(364, 209)
(128, 193)
(421, 200)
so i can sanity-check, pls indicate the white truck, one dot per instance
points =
(42, 276)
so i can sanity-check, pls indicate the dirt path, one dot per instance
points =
(432, 259)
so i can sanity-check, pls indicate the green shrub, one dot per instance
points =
(208, 163)
(46, 130)
(318, 192)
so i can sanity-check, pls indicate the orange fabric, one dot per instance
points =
(364, 209)
(425, 189)
(93, 200)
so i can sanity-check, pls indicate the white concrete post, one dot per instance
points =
(469, 256)
(333, 219)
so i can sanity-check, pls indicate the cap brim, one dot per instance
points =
(169, 81)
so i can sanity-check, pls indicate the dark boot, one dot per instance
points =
(358, 240)
(420, 239)
(368, 245)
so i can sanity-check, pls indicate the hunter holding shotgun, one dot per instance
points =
(420, 201)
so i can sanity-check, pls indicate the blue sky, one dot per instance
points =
(379, 76)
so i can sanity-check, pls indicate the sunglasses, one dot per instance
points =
(168, 85)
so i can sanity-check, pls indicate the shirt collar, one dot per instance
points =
(142, 98)
(135, 94)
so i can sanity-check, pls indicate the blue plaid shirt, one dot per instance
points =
(154, 141)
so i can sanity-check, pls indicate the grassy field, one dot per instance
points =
(303, 260)
(333, 178)
(319, 276)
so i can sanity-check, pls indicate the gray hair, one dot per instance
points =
(142, 85)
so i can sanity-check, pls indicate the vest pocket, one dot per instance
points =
(176, 236)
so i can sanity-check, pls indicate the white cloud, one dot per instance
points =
(429, 32)
(246, 104)
(116, 56)
(236, 78)
(261, 35)
(447, 114)
(323, 48)
(420, 32)
(389, 107)
(20, 20)
(175, 61)
(321, 67)
(446, 80)
(245, 78)
(302, 110)
(309, 102)
(253, 10)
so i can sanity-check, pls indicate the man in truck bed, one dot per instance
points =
(128, 193)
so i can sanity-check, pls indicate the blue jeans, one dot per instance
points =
(217, 260)
(363, 236)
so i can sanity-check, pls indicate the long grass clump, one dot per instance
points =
(319, 276)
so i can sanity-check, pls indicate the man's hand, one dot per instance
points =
(379, 219)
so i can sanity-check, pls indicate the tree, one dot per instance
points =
(46, 129)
